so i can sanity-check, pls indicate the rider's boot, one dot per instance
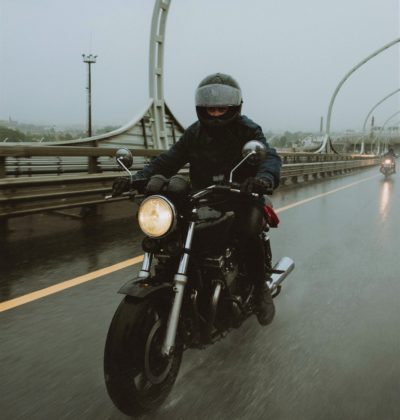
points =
(254, 257)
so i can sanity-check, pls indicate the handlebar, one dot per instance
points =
(234, 188)
(226, 188)
(128, 194)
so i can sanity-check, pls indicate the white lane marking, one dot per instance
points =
(30, 297)
(298, 203)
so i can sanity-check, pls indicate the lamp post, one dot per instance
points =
(89, 60)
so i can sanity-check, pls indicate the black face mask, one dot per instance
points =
(216, 124)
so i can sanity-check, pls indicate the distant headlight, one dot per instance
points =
(157, 216)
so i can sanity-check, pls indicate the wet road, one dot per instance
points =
(332, 352)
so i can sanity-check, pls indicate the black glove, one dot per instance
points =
(155, 184)
(120, 185)
(257, 186)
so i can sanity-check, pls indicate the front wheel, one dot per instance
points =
(137, 376)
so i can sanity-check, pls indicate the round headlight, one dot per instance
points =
(156, 216)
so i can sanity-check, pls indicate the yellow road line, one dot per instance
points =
(30, 297)
(298, 203)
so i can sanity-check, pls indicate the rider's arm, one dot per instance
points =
(169, 162)
(270, 168)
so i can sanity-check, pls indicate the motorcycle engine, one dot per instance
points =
(226, 267)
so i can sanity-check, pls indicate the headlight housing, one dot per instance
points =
(157, 216)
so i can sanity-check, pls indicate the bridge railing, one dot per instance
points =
(23, 160)
(46, 178)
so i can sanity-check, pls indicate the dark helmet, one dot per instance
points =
(218, 91)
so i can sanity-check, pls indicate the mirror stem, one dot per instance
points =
(126, 169)
(233, 170)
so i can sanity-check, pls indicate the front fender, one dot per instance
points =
(142, 288)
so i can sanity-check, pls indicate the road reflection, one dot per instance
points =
(385, 197)
(59, 248)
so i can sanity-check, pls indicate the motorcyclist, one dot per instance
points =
(390, 154)
(212, 146)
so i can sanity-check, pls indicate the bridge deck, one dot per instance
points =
(331, 353)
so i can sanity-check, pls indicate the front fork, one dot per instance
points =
(146, 265)
(180, 280)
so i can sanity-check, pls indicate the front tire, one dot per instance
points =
(138, 378)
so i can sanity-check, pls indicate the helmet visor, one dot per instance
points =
(218, 96)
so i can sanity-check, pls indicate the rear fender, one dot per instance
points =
(143, 288)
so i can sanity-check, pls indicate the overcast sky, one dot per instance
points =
(287, 55)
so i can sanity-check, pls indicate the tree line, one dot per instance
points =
(15, 135)
(287, 139)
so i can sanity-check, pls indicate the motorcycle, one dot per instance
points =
(195, 293)
(387, 167)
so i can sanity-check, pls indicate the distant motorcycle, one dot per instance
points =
(196, 292)
(387, 167)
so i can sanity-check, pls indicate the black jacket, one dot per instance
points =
(391, 155)
(210, 155)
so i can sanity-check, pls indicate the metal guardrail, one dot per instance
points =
(39, 160)
(25, 160)
(39, 185)
(295, 171)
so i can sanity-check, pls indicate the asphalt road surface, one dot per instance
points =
(332, 352)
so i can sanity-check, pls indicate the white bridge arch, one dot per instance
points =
(155, 127)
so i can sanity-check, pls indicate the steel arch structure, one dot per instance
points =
(386, 140)
(362, 151)
(156, 71)
(326, 145)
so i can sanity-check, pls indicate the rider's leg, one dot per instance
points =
(250, 223)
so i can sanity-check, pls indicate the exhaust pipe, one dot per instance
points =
(279, 272)
(213, 311)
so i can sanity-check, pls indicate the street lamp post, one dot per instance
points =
(89, 59)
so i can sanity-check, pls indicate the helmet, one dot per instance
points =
(218, 90)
